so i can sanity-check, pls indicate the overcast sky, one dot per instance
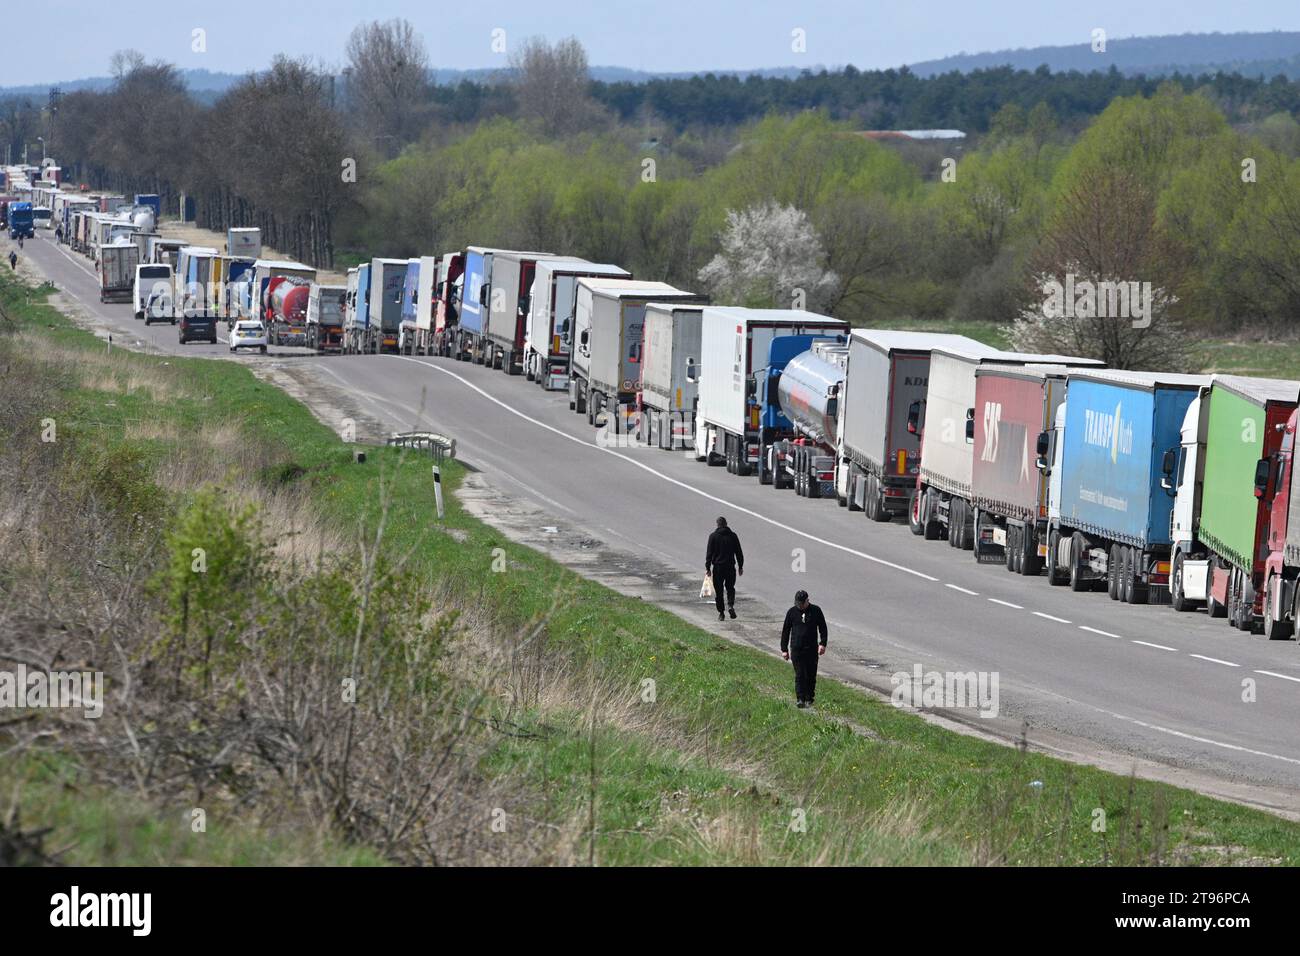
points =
(666, 35)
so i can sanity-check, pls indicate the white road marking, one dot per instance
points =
(1214, 660)
(1093, 630)
(1283, 676)
(962, 590)
(1159, 647)
(668, 478)
(1203, 740)
(1018, 607)
(1051, 617)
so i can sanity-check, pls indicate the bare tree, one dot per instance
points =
(124, 62)
(1102, 280)
(552, 85)
(388, 81)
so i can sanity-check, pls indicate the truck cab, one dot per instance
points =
(1184, 476)
(21, 224)
(1282, 566)
(152, 295)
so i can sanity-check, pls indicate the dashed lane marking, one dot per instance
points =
(1159, 647)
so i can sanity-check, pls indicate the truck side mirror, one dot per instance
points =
(1167, 465)
(970, 429)
(751, 386)
(1263, 468)
(692, 371)
(913, 417)
(1040, 450)
(582, 339)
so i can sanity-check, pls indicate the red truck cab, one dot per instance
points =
(1281, 563)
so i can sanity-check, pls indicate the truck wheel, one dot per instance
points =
(1077, 581)
(1213, 608)
(956, 519)
(1246, 605)
(1274, 630)
(1054, 576)
(1010, 550)
(933, 527)
(1135, 591)
(743, 468)
(965, 527)
(914, 518)
(869, 497)
(764, 472)
(877, 492)
(1177, 598)
(1028, 563)
(1112, 573)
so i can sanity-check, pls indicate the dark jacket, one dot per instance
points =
(802, 629)
(723, 550)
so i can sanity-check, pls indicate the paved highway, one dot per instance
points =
(1121, 686)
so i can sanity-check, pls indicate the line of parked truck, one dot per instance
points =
(1156, 487)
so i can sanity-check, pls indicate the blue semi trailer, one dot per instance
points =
(1108, 512)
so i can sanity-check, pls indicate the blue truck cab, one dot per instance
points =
(22, 221)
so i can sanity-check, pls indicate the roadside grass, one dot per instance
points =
(93, 825)
(687, 742)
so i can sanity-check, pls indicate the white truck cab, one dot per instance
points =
(1184, 477)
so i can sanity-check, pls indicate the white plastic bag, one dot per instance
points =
(706, 589)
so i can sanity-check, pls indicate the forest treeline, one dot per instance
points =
(1191, 186)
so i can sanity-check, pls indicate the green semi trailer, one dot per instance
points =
(1220, 519)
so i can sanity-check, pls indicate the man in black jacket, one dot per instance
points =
(803, 640)
(724, 560)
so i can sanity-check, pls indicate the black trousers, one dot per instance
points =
(724, 577)
(805, 673)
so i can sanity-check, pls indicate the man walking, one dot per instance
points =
(13, 260)
(724, 560)
(803, 640)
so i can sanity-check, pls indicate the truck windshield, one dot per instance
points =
(331, 308)
(155, 272)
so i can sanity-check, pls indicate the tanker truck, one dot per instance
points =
(808, 389)
(265, 272)
(285, 309)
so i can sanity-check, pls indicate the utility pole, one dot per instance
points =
(55, 95)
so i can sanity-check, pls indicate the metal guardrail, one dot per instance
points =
(439, 447)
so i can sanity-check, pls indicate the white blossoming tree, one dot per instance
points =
(771, 258)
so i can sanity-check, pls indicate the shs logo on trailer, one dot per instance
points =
(1108, 431)
(1013, 467)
